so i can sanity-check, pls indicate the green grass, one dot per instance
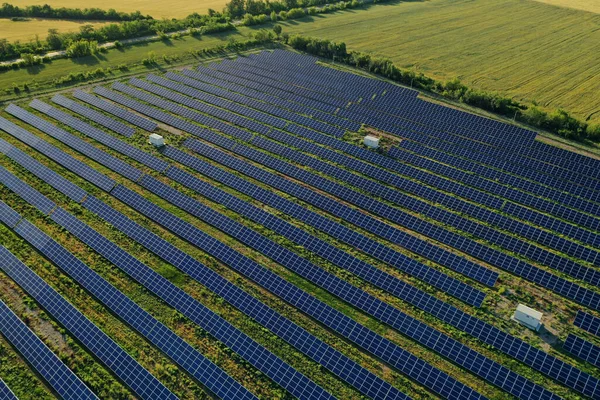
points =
(525, 49)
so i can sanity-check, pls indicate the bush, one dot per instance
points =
(295, 13)
(82, 48)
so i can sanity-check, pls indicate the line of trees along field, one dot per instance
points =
(56, 40)
(46, 11)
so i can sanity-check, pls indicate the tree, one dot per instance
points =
(28, 59)
(235, 8)
(273, 16)
(54, 39)
(82, 48)
(277, 29)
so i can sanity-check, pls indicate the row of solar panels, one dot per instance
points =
(504, 141)
(129, 103)
(412, 327)
(364, 381)
(520, 196)
(536, 253)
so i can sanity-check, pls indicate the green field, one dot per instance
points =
(525, 49)
(155, 8)
(27, 30)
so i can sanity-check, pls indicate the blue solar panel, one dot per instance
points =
(583, 349)
(489, 334)
(94, 115)
(437, 278)
(5, 392)
(116, 110)
(9, 216)
(45, 362)
(73, 141)
(142, 383)
(350, 371)
(29, 194)
(102, 137)
(57, 155)
(47, 175)
(172, 345)
(587, 322)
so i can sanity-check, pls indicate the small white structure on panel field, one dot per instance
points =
(156, 140)
(371, 141)
(528, 316)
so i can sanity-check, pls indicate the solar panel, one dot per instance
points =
(583, 349)
(29, 194)
(73, 141)
(8, 216)
(587, 322)
(47, 175)
(102, 137)
(141, 382)
(162, 337)
(5, 392)
(489, 334)
(113, 109)
(57, 155)
(45, 362)
(94, 115)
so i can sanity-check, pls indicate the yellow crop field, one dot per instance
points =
(156, 8)
(585, 5)
(26, 30)
(525, 49)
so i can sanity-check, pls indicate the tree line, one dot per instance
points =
(46, 11)
(560, 122)
(56, 40)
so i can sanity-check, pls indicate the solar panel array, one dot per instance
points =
(120, 112)
(262, 359)
(141, 382)
(277, 118)
(583, 349)
(326, 314)
(177, 175)
(62, 380)
(432, 276)
(587, 322)
(514, 265)
(158, 115)
(515, 245)
(94, 115)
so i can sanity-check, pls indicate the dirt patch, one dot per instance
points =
(33, 319)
